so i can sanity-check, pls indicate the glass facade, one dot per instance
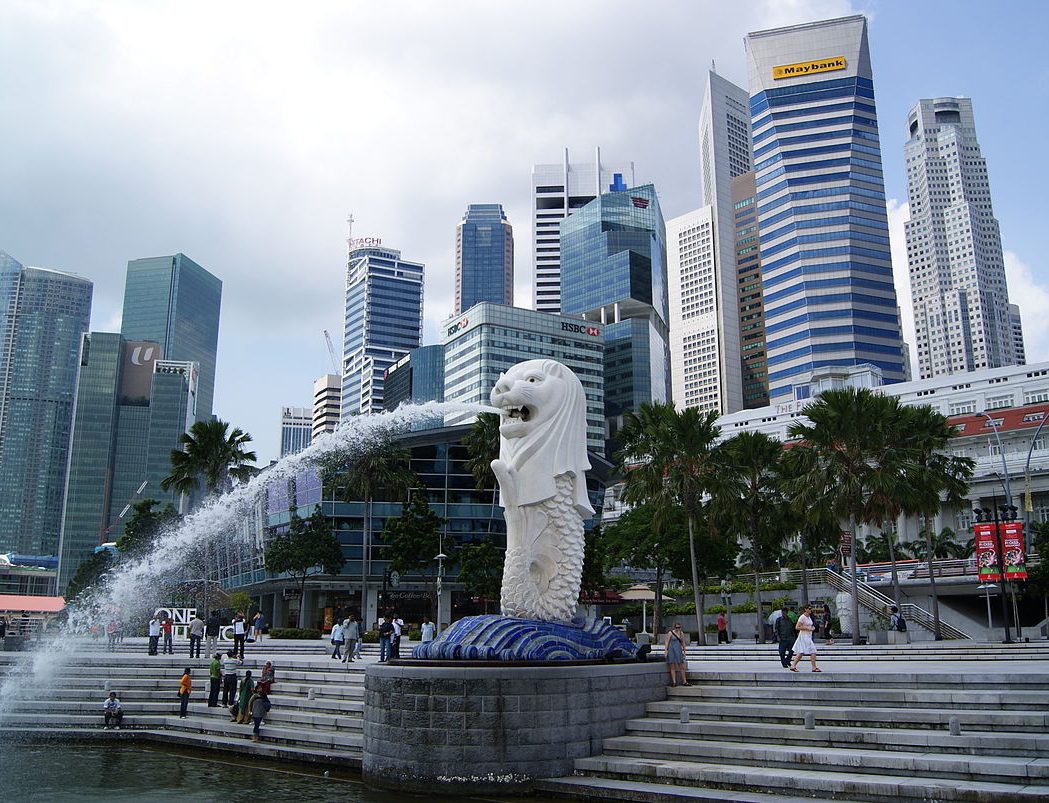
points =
(296, 429)
(384, 304)
(131, 409)
(43, 314)
(173, 301)
(484, 257)
(614, 272)
(829, 298)
(417, 377)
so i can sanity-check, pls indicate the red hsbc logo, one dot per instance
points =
(458, 327)
(579, 329)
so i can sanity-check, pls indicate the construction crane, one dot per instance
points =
(331, 353)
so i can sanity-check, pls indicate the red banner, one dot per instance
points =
(1013, 549)
(986, 551)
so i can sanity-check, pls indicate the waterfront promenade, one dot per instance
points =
(881, 721)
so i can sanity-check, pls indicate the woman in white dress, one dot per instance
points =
(803, 645)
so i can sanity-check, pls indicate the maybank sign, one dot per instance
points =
(808, 67)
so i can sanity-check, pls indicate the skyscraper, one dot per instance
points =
(614, 272)
(416, 378)
(753, 358)
(327, 395)
(725, 153)
(43, 313)
(384, 312)
(296, 429)
(173, 301)
(559, 190)
(962, 315)
(484, 257)
(826, 269)
(132, 407)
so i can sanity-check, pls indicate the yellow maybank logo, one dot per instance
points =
(808, 67)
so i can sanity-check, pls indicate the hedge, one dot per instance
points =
(295, 632)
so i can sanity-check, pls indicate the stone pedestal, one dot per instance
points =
(494, 728)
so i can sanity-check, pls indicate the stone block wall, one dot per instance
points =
(485, 728)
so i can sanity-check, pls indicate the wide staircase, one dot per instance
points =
(317, 713)
(932, 724)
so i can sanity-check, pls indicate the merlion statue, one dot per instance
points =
(542, 481)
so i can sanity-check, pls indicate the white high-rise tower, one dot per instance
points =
(961, 304)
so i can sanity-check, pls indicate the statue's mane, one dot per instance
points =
(557, 447)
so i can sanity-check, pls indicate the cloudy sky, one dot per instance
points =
(243, 133)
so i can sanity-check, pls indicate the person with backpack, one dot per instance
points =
(897, 624)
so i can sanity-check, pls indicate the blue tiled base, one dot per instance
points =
(503, 638)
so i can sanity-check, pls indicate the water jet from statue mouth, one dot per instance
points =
(520, 413)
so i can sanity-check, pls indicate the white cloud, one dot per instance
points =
(1032, 297)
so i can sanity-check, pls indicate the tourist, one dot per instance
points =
(264, 685)
(804, 645)
(3, 627)
(215, 679)
(896, 620)
(111, 635)
(257, 624)
(827, 623)
(167, 627)
(185, 686)
(395, 639)
(351, 632)
(196, 635)
(675, 650)
(259, 707)
(385, 634)
(240, 710)
(211, 632)
(112, 712)
(722, 624)
(239, 634)
(783, 628)
(229, 678)
(428, 630)
(154, 635)
(337, 640)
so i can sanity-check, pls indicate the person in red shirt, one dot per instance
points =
(722, 629)
(167, 627)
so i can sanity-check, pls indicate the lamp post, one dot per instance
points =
(987, 515)
(986, 588)
(1001, 453)
(440, 558)
(1027, 484)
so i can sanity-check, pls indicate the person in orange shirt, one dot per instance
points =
(185, 686)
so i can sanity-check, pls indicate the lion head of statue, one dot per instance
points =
(543, 433)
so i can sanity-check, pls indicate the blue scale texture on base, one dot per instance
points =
(504, 638)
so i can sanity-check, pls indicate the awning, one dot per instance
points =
(14, 603)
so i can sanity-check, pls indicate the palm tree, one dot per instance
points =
(755, 512)
(210, 451)
(810, 512)
(482, 443)
(671, 458)
(851, 453)
(381, 465)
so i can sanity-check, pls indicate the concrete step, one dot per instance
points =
(995, 769)
(342, 741)
(855, 784)
(859, 716)
(595, 788)
(998, 743)
(816, 695)
(989, 680)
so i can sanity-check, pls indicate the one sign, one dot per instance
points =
(1013, 550)
(986, 552)
(808, 67)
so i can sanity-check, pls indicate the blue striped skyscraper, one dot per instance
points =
(43, 313)
(826, 268)
(384, 317)
(484, 257)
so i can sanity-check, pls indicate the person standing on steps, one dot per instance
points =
(239, 634)
(259, 706)
(385, 635)
(196, 635)
(241, 713)
(722, 628)
(215, 679)
(257, 623)
(167, 627)
(785, 633)
(804, 645)
(428, 630)
(113, 712)
(229, 678)
(395, 639)
(337, 640)
(675, 649)
(185, 687)
(351, 631)
(154, 635)
(211, 632)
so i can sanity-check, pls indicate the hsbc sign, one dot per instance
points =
(580, 329)
(458, 327)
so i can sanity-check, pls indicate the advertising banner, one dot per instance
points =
(986, 551)
(1013, 550)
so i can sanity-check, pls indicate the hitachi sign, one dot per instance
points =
(579, 329)
(808, 67)
(365, 242)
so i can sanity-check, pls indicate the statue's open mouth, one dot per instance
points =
(522, 413)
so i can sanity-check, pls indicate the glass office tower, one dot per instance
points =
(384, 317)
(43, 313)
(484, 257)
(825, 263)
(614, 272)
(173, 301)
(132, 407)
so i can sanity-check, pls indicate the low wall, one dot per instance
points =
(484, 728)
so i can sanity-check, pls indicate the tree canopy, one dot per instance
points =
(308, 548)
(143, 525)
(213, 453)
(413, 539)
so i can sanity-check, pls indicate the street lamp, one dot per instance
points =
(1001, 453)
(440, 558)
(987, 588)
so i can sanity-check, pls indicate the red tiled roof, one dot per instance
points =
(1008, 419)
(13, 603)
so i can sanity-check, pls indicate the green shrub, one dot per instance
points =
(778, 602)
(711, 628)
(415, 635)
(776, 585)
(716, 609)
(295, 632)
(369, 637)
(746, 607)
(630, 609)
